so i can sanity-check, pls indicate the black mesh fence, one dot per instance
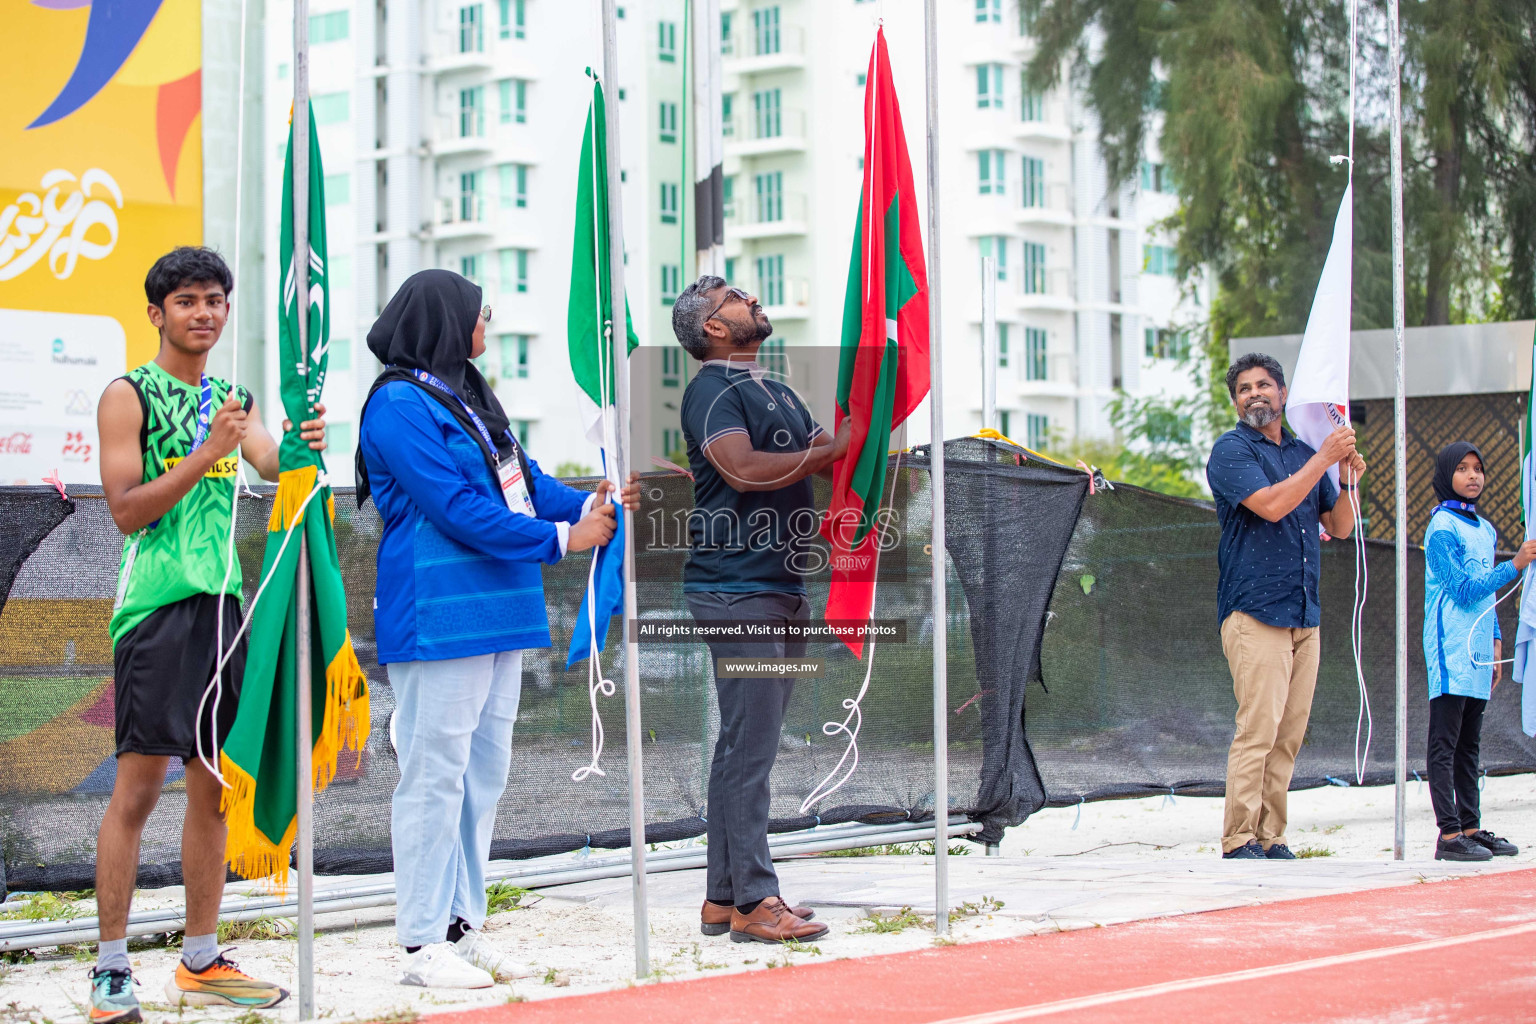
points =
(1109, 598)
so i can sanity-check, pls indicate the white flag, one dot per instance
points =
(1318, 401)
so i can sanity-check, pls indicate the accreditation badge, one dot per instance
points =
(515, 489)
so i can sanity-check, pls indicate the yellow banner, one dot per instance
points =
(101, 173)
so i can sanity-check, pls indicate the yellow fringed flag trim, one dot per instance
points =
(250, 853)
(293, 486)
(347, 723)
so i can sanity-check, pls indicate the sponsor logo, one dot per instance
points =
(18, 443)
(77, 402)
(229, 465)
(76, 448)
(62, 358)
(71, 219)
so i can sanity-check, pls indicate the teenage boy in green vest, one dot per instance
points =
(171, 441)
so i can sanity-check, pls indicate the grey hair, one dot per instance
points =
(688, 312)
(1254, 361)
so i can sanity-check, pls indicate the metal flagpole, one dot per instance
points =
(619, 336)
(709, 146)
(305, 836)
(1399, 438)
(989, 349)
(936, 462)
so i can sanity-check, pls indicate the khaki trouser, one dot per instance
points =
(1274, 672)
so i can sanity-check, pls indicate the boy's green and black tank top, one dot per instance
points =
(185, 551)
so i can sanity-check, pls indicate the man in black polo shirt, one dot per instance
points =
(752, 448)
(1272, 491)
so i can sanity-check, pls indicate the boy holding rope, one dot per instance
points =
(169, 436)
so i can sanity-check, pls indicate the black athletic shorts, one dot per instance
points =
(161, 668)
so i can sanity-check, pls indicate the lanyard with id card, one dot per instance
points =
(514, 488)
(514, 485)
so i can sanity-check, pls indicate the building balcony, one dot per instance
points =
(791, 300)
(779, 49)
(1038, 127)
(776, 216)
(461, 216)
(463, 132)
(464, 49)
(1045, 288)
(1049, 204)
(759, 134)
(1057, 378)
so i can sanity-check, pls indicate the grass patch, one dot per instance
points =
(399, 1015)
(986, 905)
(44, 906)
(926, 849)
(501, 897)
(1308, 852)
(889, 924)
(257, 929)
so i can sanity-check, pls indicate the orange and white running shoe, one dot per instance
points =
(221, 983)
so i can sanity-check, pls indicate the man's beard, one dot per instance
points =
(1260, 415)
(756, 331)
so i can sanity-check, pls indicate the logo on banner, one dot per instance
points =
(71, 219)
(78, 403)
(76, 447)
(18, 443)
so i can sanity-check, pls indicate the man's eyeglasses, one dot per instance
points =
(730, 293)
(485, 313)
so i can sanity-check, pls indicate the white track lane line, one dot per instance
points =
(1126, 995)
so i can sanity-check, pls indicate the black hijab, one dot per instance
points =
(1445, 469)
(429, 325)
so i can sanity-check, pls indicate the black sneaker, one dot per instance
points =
(1249, 851)
(1279, 851)
(1461, 848)
(1493, 844)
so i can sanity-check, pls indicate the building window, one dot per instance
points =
(1034, 182)
(1032, 104)
(989, 86)
(472, 112)
(766, 110)
(990, 10)
(339, 354)
(666, 41)
(469, 266)
(1035, 367)
(727, 127)
(668, 121)
(1037, 430)
(1002, 346)
(1159, 259)
(471, 29)
(330, 27)
(672, 442)
(765, 27)
(469, 196)
(1166, 343)
(1004, 418)
(1034, 268)
(332, 107)
(996, 246)
(671, 274)
(990, 165)
(668, 203)
(514, 186)
(771, 357)
(671, 367)
(338, 189)
(770, 196)
(727, 43)
(514, 270)
(730, 268)
(770, 280)
(514, 20)
(523, 429)
(514, 356)
(514, 100)
(1156, 178)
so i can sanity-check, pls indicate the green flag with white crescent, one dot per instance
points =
(259, 760)
(591, 303)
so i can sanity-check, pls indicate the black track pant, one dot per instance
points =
(1455, 733)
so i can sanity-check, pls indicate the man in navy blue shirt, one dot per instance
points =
(1272, 491)
(752, 448)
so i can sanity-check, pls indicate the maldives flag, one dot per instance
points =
(883, 371)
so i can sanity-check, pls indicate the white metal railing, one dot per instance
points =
(465, 125)
(748, 43)
(790, 293)
(752, 210)
(1050, 195)
(1052, 282)
(748, 125)
(1059, 367)
(464, 208)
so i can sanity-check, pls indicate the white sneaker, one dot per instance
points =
(440, 966)
(473, 949)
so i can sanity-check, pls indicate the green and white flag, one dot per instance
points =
(591, 303)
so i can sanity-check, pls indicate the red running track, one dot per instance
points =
(1462, 950)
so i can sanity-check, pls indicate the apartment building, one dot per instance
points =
(450, 132)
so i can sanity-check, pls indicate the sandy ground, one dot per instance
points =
(1065, 868)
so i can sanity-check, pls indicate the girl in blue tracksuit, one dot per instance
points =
(1460, 582)
(468, 521)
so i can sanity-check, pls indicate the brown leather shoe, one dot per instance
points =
(773, 921)
(714, 920)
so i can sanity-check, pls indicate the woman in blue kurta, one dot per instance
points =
(1462, 648)
(468, 521)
